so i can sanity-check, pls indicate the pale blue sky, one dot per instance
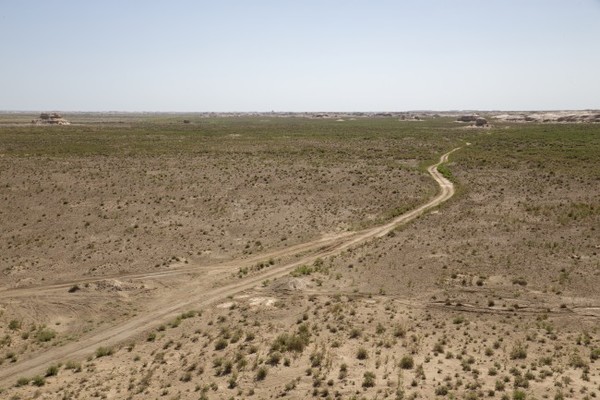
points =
(300, 55)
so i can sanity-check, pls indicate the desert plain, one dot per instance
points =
(193, 256)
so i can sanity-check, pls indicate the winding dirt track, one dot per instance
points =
(184, 300)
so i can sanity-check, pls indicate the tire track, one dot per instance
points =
(178, 301)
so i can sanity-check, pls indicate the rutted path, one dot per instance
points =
(182, 300)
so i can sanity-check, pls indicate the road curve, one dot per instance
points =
(114, 335)
(38, 290)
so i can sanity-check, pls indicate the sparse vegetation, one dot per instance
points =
(368, 379)
(295, 342)
(518, 352)
(52, 370)
(22, 381)
(221, 344)
(261, 374)
(362, 353)
(103, 352)
(407, 362)
(45, 334)
(474, 301)
(38, 381)
(14, 325)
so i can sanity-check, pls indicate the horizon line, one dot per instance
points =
(295, 112)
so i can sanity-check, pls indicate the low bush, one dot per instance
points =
(368, 380)
(261, 374)
(103, 352)
(45, 335)
(38, 381)
(362, 353)
(52, 370)
(407, 362)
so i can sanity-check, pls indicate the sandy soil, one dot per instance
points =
(492, 295)
(184, 299)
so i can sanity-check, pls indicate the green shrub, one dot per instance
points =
(14, 324)
(343, 371)
(399, 331)
(368, 379)
(362, 353)
(73, 365)
(237, 335)
(519, 395)
(45, 335)
(576, 361)
(232, 382)
(222, 366)
(221, 344)
(355, 333)
(22, 381)
(442, 169)
(52, 370)
(595, 353)
(175, 323)
(521, 381)
(441, 390)
(500, 385)
(407, 362)
(103, 352)
(38, 381)
(261, 374)
(518, 352)
(438, 348)
(302, 270)
(316, 359)
(296, 342)
(274, 358)
(188, 314)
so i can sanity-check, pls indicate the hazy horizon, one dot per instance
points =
(332, 56)
(290, 112)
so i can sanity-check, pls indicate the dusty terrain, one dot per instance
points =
(240, 258)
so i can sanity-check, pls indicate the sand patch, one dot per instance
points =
(262, 301)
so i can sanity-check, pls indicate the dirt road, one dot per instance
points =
(184, 300)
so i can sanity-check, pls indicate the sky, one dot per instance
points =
(299, 55)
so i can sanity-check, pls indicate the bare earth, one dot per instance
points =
(249, 275)
(180, 300)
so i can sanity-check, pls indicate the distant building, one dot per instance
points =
(50, 119)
